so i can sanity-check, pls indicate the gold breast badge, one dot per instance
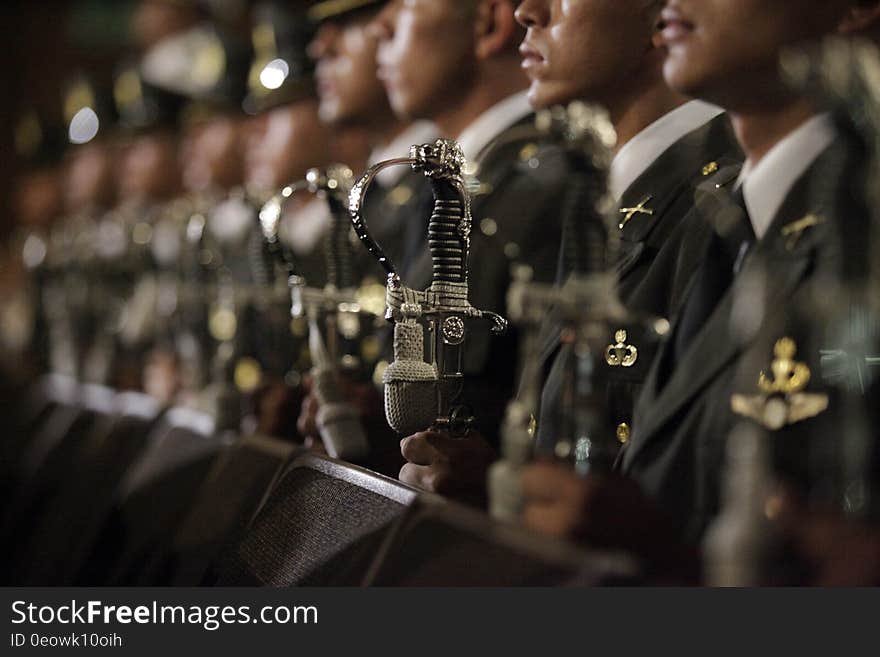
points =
(641, 208)
(621, 354)
(782, 400)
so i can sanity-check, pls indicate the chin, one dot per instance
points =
(328, 113)
(680, 77)
(536, 97)
(543, 95)
(402, 107)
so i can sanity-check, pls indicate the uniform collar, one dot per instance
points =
(492, 123)
(634, 158)
(767, 184)
(419, 132)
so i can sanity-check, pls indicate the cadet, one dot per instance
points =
(666, 146)
(75, 244)
(745, 348)
(38, 203)
(456, 64)
(353, 98)
(222, 217)
(288, 140)
(148, 178)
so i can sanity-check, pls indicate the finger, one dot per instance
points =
(465, 447)
(416, 449)
(315, 445)
(307, 424)
(443, 442)
(420, 476)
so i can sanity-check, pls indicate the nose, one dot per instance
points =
(381, 27)
(533, 13)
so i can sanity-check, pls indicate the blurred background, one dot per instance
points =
(47, 42)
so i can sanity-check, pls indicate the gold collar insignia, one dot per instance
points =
(795, 230)
(641, 208)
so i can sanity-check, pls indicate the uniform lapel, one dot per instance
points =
(781, 270)
(648, 201)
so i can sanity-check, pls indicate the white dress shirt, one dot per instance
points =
(640, 152)
(492, 123)
(419, 132)
(767, 183)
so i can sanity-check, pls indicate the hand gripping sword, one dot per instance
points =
(333, 312)
(423, 389)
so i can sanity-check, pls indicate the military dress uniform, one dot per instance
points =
(756, 358)
(659, 253)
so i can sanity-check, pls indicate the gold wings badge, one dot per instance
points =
(782, 401)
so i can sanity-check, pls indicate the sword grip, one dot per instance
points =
(446, 242)
(338, 249)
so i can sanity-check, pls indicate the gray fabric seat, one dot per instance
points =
(225, 504)
(45, 462)
(153, 498)
(440, 543)
(318, 510)
(85, 497)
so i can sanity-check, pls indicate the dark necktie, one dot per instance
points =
(724, 257)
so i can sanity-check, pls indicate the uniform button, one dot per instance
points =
(623, 433)
(528, 152)
(248, 375)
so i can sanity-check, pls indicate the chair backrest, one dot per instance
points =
(40, 426)
(45, 462)
(67, 532)
(440, 543)
(180, 436)
(319, 508)
(49, 390)
(225, 504)
(153, 497)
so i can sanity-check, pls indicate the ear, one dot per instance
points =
(860, 17)
(495, 29)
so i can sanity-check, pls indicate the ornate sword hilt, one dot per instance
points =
(421, 392)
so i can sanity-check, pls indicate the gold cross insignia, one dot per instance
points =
(782, 400)
(621, 354)
(793, 231)
(629, 213)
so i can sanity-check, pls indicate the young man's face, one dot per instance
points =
(90, 178)
(727, 51)
(586, 49)
(345, 51)
(149, 167)
(426, 53)
(212, 157)
(287, 142)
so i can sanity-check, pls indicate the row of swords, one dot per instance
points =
(423, 384)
